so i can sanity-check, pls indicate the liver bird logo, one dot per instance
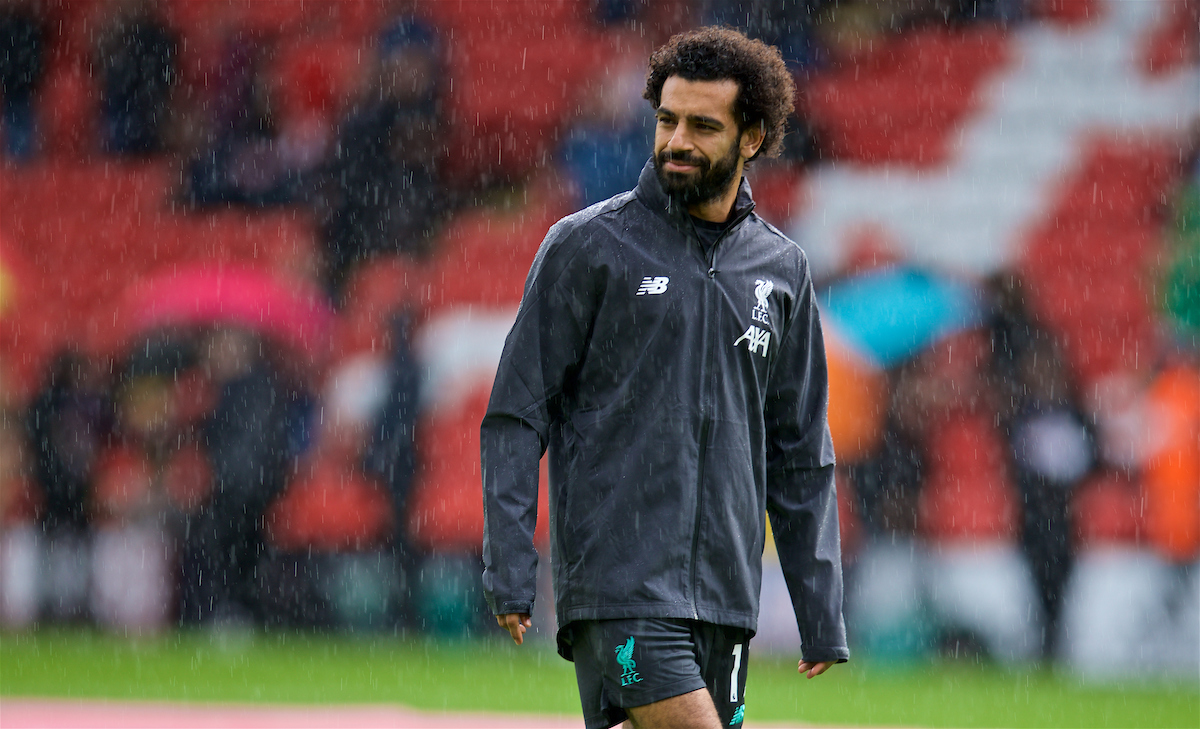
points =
(629, 672)
(625, 655)
(763, 289)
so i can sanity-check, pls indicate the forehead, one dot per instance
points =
(712, 99)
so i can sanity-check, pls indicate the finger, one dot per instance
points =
(516, 626)
(812, 669)
(506, 622)
(513, 625)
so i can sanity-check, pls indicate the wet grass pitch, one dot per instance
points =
(490, 675)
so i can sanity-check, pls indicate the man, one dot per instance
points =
(668, 353)
(383, 187)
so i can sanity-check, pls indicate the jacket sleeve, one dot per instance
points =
(801, 495)
(540, 355)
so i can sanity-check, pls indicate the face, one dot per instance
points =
(698, 149)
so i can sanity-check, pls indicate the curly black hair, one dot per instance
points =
(766, 91)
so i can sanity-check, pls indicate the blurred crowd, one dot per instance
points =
(1009, 508)
(996, 506)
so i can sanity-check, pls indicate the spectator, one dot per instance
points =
(1132, 605)
(131, 577)
(1180, 282)
(941, 564)
(246, 440)
(22, 68)
(137, 56)
(249, 168)
(1171, 483)
(330, 523)
(20, 545)
(383, 192)
(259, 153)
(1053, 451)
(68, 422)
(980, 588)
(605, 149)
(390, 454)
(1050, 441)
(849, 31)
(786, 24)
(69, 419)
(217, 108)
(1001, 12)
(885, 612)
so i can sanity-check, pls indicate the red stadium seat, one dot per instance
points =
(963, 55)
(67, 108)
(967, 495)
(1086, 263)
(98, 227)
(900, 105)
(484, 255)
(329, 507)
(375, 292)
(1107, 510)
(776, 191)
(535, 17)
(1067, 12)
(1175, 43)
(446, 511)
(75, 24)
(318, 75)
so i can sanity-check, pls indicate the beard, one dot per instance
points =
(710, 181)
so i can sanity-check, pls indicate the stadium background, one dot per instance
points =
(999, 200)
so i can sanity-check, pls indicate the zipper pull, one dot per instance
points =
(712, 271)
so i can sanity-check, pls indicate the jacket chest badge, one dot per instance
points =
(762, 289)
(653, 285)
(757, 337)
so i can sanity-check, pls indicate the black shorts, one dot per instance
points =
(637, 661)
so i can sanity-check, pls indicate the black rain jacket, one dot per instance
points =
(682, 395)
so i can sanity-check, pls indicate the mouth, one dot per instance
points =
(677, 166)
(680, 164)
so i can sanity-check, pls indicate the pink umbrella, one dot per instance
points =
(293, 313)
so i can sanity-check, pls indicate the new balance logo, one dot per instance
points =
(755, 338)
(653, 285)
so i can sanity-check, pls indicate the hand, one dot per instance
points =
(814, 668)
(516, 624)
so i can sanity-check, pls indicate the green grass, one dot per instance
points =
(964, 695)
(287, 668)
(490, 675)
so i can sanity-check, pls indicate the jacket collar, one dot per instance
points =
(650, 192)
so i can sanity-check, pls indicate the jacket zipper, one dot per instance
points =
(707, 379)
(695, 577)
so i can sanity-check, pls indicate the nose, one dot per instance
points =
(680, 140)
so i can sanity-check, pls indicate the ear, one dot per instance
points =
(752, 139)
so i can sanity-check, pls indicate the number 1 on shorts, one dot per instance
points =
(733, 677)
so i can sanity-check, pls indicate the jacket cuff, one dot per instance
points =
(511, 606)
(823, 654)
